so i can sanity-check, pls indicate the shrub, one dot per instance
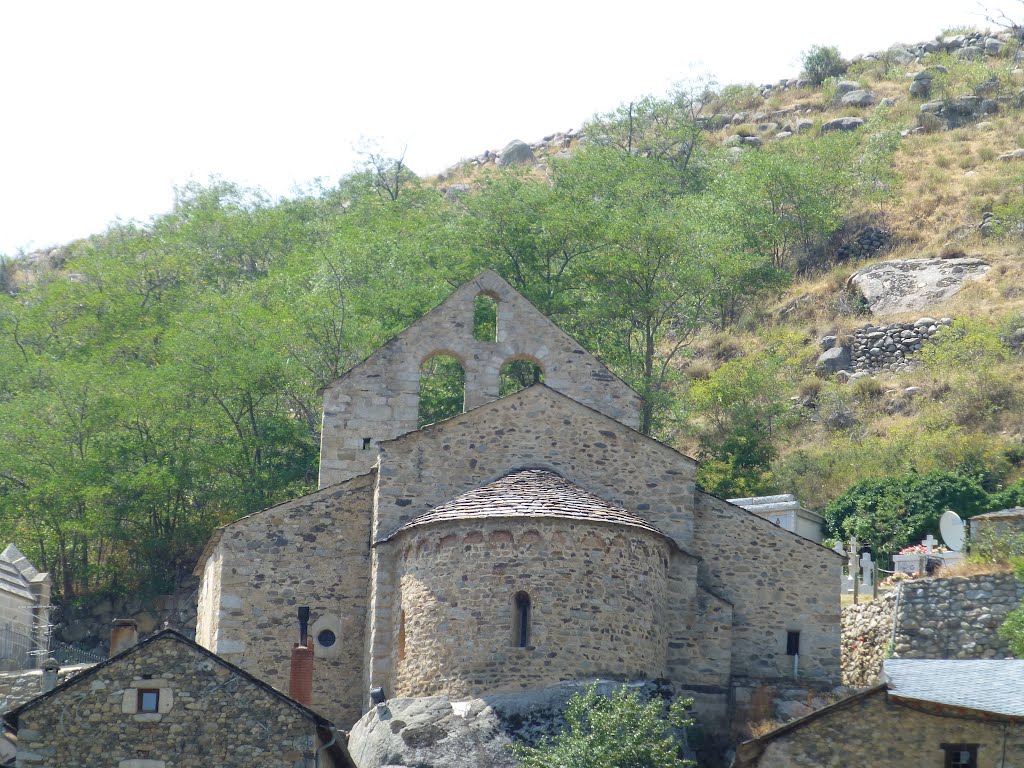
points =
(613, 731)
(821, 62)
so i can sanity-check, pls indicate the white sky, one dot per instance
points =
(106, 106)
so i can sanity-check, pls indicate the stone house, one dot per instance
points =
(926, 714)
(531, 539)
(170, 702)
(24, 611)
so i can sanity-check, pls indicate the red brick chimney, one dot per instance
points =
(123, 635)
(300, 682)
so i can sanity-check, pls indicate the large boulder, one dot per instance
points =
(436, 732)
(517, 152)
(833, 360)
(858, 98)
(842, 124)
(891, 287)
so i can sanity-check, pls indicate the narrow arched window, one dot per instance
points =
(518, 374)
(485, 318)
(521, 622)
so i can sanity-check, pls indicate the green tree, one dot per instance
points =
(822, 62)
(613, 732)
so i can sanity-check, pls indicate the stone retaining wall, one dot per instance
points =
(951, 618)
(877, 348)
(956, 618)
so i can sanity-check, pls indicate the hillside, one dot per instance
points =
(160, 378)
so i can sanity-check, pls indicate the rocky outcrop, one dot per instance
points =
(432, 732)
(908, 285)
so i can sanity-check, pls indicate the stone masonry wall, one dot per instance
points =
(597, 593)
(876, 348)
(866, 634)
(776, 582)
(536, 427)
(875, 730)
(208, 716)
(955, 618)
(378, 399)
(312, 551)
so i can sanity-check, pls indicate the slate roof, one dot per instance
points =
(1011, 513)
(984, 685)
(529, 493)
(12, 581)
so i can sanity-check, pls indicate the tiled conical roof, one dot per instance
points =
(529, 493)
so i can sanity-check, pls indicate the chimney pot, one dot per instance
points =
(49, 678)
(300, 682)
(123, 635)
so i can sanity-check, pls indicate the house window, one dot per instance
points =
(793, 643)
(366, 443)
(521, 623)
(961, 755)
(149, 700)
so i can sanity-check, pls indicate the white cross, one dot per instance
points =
(929, 541)
(865, 570)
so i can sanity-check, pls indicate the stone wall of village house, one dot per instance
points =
(379, 399)
(776, 582)
(312, 551)
(597, 604)
(877, 731)
(208, 716)
(536, 427)
(978, 605)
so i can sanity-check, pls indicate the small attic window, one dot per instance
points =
(149, 700)
(366, 443)
(485, 318)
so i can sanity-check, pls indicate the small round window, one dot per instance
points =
(326, 638)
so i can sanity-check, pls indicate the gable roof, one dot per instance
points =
(11, 717)
(486, 281)
(218, 532)
(964, 686)
(984, 685)
(538, 390)
(528, 493)
(1012, 513)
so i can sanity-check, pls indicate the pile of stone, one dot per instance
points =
(868, 241)
(866, 632)
(953, 113)
(877, 348)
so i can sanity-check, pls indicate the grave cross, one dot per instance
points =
(929, 541)
(866, 571)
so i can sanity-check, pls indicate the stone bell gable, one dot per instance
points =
(378, 399)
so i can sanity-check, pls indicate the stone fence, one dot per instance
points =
(878, 348)
(955, 618)
(951, 618)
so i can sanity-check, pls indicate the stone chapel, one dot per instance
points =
(532, 539)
